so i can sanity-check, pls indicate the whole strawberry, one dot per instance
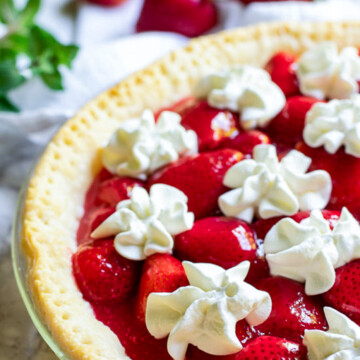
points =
(221, 241)
(211, 125)
(272, 348)
(344, 170)
(102, 274)
(287, 127)
(187, 17)
(161, 273)
(345, 294)
(218, 240)
(200, 177)
(292, 310)
(114, 190)
(282, 71)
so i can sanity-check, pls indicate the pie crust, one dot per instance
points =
(56, 192)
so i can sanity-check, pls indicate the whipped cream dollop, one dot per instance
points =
(266, 187)
(205, 313)
(326, 73)
(310, 251)
(245, 89)
(340, 342)
(145, 223)
(333, 125)
(141, 146)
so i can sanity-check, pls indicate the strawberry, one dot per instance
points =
(211, 125)
(218, 240)
(90, 222)
(107, 2)
(115, 189)
(200, 177)
(272, 348)
(287, 127)
(161, 273)
(245, 334)
(102, 274)
(282, 72)
(344, 170)
(245, 141)
(345, 294)
(187, 17)
(262, 226)
(292, 310)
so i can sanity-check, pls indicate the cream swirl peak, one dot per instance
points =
(326, 73)
(244, 89)
(340, 342)
(310, 251)
(144, 224)
(333, 125)
(266, 187)
(141, 146)
(206, 312)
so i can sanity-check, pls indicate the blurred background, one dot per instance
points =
(55, 55)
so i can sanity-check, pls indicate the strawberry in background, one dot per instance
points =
(186, 17)
(107, 2)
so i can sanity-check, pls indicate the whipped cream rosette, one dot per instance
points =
(340, 342)
(266, 187)
(326, 73)
(205, 313)
(334, 124)
(245, 89)
(310, 251)
(141, 146)
(144, 224)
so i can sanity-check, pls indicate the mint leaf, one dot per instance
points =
(9, 74)
(27, 15)
(53, 81)
(6, 105)
(8, 12)
(66, 54)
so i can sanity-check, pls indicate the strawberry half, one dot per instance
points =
(345, 294)
(272, 348)
(287, 127)
(102, 274)
(292, 310)
(200, 177)
(245, 141)
(161, 273)
(211, 125)
(282, 72)
(187, 17)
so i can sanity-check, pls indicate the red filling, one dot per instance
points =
(215, 239)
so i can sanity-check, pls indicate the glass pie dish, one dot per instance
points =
(19, 267)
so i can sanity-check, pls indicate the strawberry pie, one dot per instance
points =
(207, 206)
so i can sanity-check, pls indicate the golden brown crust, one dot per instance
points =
(57, 189)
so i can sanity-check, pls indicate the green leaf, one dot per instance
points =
(6, 105)
(8, 12)
(53, 81)
(27, 15)
(66, 54)
(17, 41)
(10, 77)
